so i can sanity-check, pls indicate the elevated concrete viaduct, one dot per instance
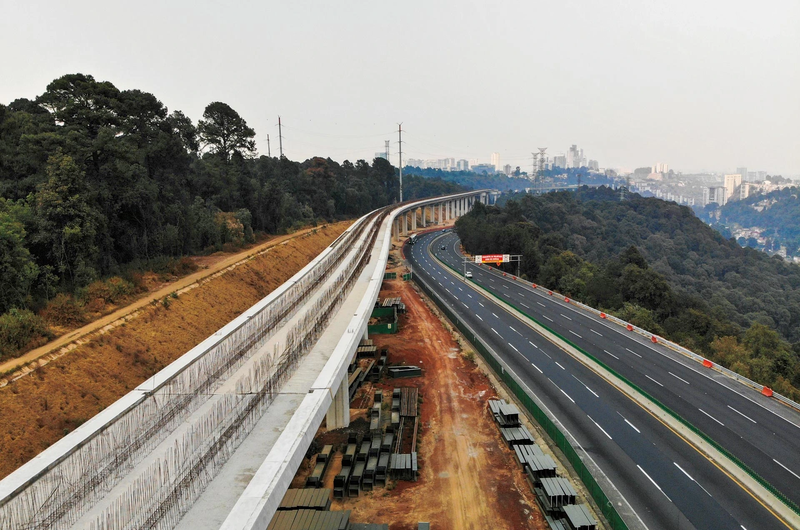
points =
(215, 438)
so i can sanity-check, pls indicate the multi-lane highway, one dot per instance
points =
(666, 482)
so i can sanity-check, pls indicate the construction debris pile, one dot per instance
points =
(555, 494)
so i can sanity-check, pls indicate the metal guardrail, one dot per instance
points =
(744, 467)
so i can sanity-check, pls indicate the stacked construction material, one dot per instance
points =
(514, 436)
(366, 349)
(505, 414)
(555, 494)
(341, 481)
(306, 519)
(408, 401)
(403, 466)
(382, 469)
(312, 499)
(536, 464)
(375, 419)
(404, 371)
(314, 480)
(394, 302)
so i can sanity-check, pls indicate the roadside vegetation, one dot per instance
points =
(658, 266)
(99, 185)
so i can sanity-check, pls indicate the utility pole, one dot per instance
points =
(400, 144)
(541, 168)
(533, 173)
(280, 136)
(269, 153)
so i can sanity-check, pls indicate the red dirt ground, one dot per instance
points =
(468, 478)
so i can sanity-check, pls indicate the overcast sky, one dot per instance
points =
(698, 84)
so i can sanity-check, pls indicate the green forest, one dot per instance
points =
(655, 264)
(778, 214)
(98, 182)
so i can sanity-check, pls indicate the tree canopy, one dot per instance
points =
(96, 181)
(655, 264)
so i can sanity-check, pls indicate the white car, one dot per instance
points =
(468, 274)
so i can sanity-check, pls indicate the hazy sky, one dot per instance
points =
(699, 84)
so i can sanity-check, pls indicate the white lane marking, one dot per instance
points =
(548, 355)
(595, 332)
(548, 318)
(541, 304)
(524, 305)
(469, 295)
(611, 354)
(565, 316)
(653, 481)
(514, 330)
(693, 480)
(465, 305)
(587, 388)
(540, 370)
(506, 286)
(598, 426)
(742, 414)
(653, 380)
(448, 290)
(515, 348)
(480, 304)
(786, 468)
(491, 279)
(712, 417)
(495, 316)
(460, 289)
(629, 423)
(532, 344)
(477, 315)
(679, 378)
(575, 334)
(560, 366)
(440, 283)
(558, 387)
(499, 335)
(633, 352)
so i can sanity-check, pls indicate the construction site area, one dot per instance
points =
(423, 449)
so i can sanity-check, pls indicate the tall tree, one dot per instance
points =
(226, 132)
(68, 224)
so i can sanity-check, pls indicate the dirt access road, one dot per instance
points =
(468, 478)
(67, 342)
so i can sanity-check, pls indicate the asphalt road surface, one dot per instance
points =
(666, 481)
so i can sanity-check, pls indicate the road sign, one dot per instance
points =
(492, 258)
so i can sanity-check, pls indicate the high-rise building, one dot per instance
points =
(560, 161)
(496, 161)
(714, 194)
(731, 183)
(462, 165)
(661, 167)
(507, 169)
(381, 155)
(743, 172)
(594, 165)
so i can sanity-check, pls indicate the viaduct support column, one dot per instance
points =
(339, 414)
(405, 224)
(414, 220)
(424, 216)
(440, 214)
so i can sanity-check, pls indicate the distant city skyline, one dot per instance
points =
(632, 83)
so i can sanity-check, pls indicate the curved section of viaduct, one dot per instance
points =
(214, 439)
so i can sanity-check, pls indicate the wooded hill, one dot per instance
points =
(777, 212)
(96, 182)
(655, 264)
